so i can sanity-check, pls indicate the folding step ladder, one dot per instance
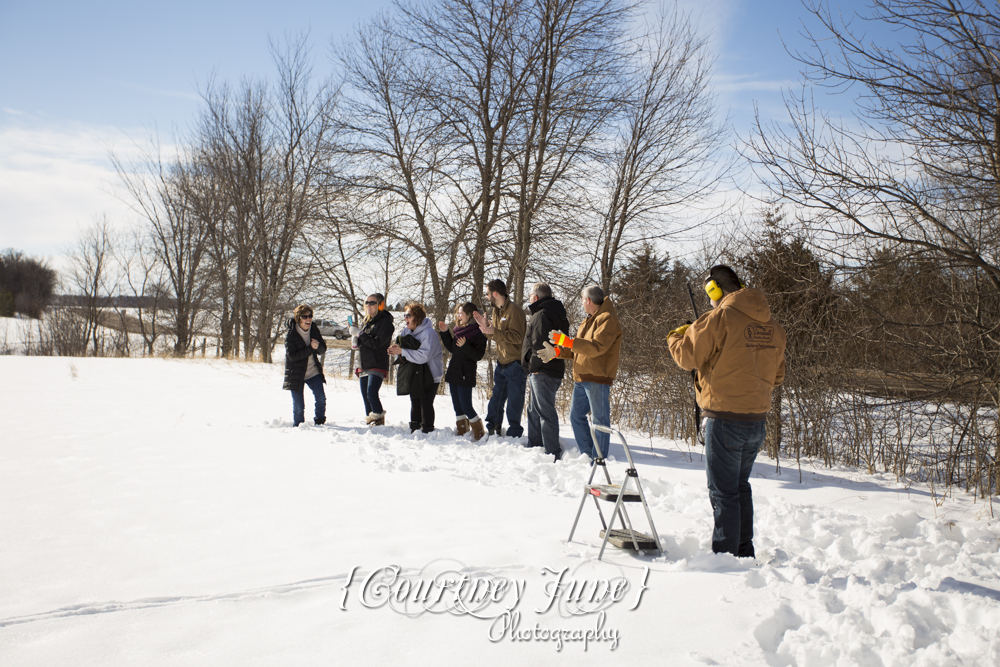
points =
(626, 537)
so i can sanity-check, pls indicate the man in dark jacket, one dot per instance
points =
(303, 345)
(544, 377)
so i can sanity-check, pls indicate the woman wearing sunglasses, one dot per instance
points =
(374, 336)
(467, 345)
(303, 346)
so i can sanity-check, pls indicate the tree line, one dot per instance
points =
(452, 142)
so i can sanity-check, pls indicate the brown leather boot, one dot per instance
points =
(461, 425)
(478, 430)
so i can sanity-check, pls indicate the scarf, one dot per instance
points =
(467, 332)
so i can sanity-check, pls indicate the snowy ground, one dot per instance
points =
(165, 512)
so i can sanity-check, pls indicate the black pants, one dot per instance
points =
(422, 409)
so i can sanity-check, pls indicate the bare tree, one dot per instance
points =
(159, 190)
(398, 156)
(90, 269)
(578, 60)
(268, 149)
(474, 116)
(664, 157)
(914, 179)
(144, 284)
(921, 171)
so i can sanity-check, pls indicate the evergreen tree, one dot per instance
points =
(26, 285)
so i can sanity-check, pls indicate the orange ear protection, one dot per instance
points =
(381, 305)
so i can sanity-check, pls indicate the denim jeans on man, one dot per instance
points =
(508, 386)
(595, 398)
(730, 449)
(461, 398)
(370, 385)
(543, 421)
(299, 403)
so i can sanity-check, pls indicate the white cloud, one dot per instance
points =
(55, 179)
(742, 83)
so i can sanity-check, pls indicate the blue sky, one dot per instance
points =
(80, 78)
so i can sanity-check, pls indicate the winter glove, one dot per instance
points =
(561, 339)
(355, 331)
(548, 353)
(679, 330)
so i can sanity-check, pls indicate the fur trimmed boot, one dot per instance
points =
(461, 425)
(478, 429)
(375, 419)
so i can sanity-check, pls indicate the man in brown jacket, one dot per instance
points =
(506, 329)
(739, 352)
(594, 352)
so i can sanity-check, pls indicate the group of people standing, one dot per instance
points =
(736, 350)
(531, 351)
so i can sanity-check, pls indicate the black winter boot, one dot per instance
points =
(319, 421)
(414, 427)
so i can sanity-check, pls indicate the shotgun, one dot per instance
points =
(694, 377)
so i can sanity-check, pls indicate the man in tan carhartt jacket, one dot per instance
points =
(738, 351)
(506, 329)
(595, 352)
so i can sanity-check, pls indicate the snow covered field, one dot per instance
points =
(165, 512)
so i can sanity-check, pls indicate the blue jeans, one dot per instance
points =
(543, 422)
(595, 398)
(731, 447)
(299, 402)
(370, 384)
(461, 398)
(508, 386)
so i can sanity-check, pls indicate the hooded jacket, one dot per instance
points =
(597, 346)
(374, 340)
(429, 352)
(297, 354)
(547, 314)
(739, 352)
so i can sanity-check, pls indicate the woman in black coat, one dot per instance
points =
(373, 336)
(303, 345)
(467, 345)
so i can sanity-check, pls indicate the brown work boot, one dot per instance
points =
(461, 425)
(478, 430)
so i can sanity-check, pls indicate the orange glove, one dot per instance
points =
(561, 339)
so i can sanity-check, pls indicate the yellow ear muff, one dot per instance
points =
(713, 290)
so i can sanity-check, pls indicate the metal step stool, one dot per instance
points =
(626, 537)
